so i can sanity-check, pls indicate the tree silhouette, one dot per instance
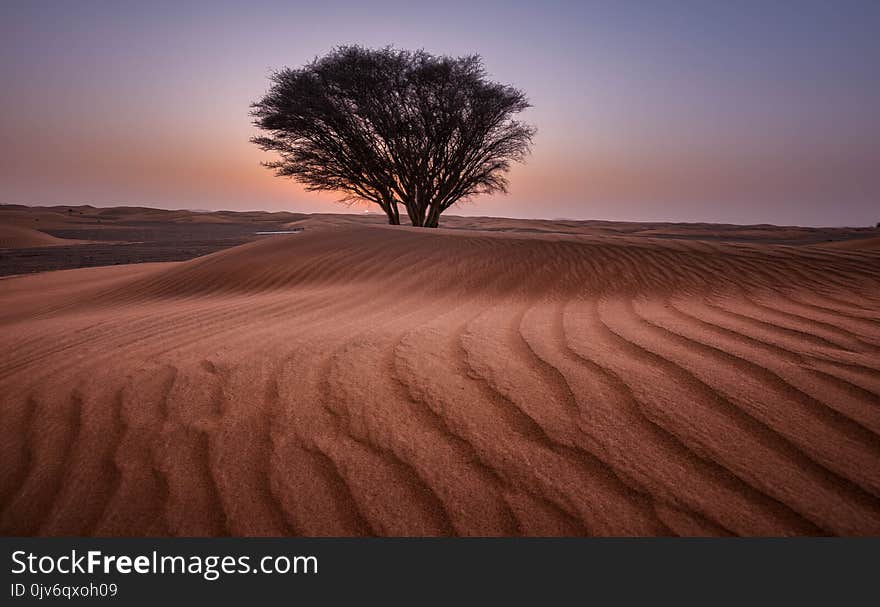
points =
(394, 127)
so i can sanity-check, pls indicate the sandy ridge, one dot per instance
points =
(358, 379)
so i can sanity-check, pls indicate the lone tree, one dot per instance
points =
(394, 127)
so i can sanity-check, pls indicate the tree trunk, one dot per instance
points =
(410, 213)
(393, 214)
(418, 217)
(390, 208)
(433, 219)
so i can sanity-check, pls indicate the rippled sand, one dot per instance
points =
(359, 379)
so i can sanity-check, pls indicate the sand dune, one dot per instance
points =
(872, 244)
(360, 379)
(18, 237)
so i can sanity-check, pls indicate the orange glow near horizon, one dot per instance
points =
(641, 115)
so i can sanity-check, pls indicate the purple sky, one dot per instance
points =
(744, 112)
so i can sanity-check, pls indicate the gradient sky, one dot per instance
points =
(742, 112)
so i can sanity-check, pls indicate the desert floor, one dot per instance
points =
(492, 377)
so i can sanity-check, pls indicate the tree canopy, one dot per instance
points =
(395, 128)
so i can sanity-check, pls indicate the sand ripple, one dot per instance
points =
(361, 380)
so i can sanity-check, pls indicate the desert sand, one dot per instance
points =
(19, 237)
(495, 377)
(858, 244)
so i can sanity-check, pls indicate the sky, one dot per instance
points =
(734, 112)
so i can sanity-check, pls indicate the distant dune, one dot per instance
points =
(865, 244)
(17, 237)
(525, 379)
